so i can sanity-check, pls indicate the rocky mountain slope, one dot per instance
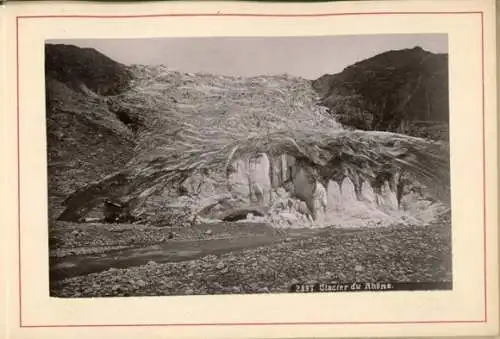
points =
(85, 69)
(165, 147)
(85, 139)
(404, 91)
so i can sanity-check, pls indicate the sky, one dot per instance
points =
(307, 57)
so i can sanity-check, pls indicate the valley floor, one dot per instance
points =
(242, 258)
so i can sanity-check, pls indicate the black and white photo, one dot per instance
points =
(241, 165)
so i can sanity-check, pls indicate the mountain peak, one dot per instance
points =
(392, 91)
(75, 66)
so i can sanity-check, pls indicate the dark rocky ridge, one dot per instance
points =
(76, 66)
(404, 91)
(85, 139)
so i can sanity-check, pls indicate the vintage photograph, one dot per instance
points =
(242, 165)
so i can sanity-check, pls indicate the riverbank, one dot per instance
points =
(390, 254)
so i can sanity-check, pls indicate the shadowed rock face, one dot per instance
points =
(85, 69)
(403, 91)
(86, 140)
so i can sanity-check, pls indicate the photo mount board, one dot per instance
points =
(469, 309)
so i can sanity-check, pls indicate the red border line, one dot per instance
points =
(219, 14)
(18, 173)
(484, 177)
(318, 323)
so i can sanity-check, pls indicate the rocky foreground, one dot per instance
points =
(392, 254)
